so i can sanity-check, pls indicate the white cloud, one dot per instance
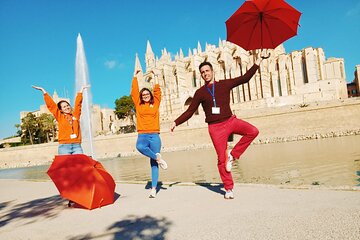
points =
(121, 65)
(355, 11)
(110, 64)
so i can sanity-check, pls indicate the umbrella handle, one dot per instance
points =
(101, 201)
(266, 57)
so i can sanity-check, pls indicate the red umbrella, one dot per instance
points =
(82, 180)
(259, 24)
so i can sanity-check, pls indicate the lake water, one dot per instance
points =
(328, 162)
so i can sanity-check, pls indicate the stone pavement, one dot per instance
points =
(34, 210)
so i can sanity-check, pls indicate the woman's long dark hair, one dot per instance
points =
(59, 104)
(151, 96)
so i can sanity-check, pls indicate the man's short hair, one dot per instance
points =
(205, 63)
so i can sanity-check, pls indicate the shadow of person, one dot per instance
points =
(215, 187)
(5, 204)
(158, 187)
(174, 183)
(32, 211)
(134, 227)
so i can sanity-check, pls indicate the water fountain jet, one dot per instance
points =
(82, 79)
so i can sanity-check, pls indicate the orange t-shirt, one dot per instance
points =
(68, 124)
(147, 115)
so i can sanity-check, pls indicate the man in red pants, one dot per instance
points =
(214, 97)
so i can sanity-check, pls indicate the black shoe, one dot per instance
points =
(70, 203)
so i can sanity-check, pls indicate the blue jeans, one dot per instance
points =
(149, 144)
(70, 148)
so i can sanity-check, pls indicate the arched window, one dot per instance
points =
(194, 79)
(271, 85)
(304, 69)
(148, 79)
(278, 79)
(288, 83)
(187, 104)
(177, 81)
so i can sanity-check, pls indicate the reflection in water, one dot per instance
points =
(330, 162)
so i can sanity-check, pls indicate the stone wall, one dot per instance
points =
(279, 124)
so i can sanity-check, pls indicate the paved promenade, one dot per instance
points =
(34, 210)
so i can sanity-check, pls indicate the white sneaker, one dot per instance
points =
(152, 193)
(229, 162)
(161, 162)
(229, 194)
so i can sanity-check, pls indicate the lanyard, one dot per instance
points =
(212, 93)
(70, 121)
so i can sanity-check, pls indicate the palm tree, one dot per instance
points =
(29, 127)
(47, 126)
(18, 129)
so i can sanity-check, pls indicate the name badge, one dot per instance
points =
(72, 136)
(215, 110)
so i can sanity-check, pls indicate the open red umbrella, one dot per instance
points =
(82, 180)
(260, 24)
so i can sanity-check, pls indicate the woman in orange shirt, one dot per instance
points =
(68, 122)
(148, 128)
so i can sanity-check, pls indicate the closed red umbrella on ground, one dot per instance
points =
(262, 24)
(83, 180)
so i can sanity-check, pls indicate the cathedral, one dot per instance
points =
(296, 78)
(299, 77)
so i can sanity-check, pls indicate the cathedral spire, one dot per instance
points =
(149, 50)
(55, 96)
(181, 53)
(137, 64)
(165, 52)
(199, 48)
(149, 56)
(190, 53)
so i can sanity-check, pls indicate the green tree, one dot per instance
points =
(47, 127)
(29, 128)
(124, 107)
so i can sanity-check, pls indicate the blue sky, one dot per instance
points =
(38, 42)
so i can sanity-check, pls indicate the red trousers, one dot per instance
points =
(220, 132)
